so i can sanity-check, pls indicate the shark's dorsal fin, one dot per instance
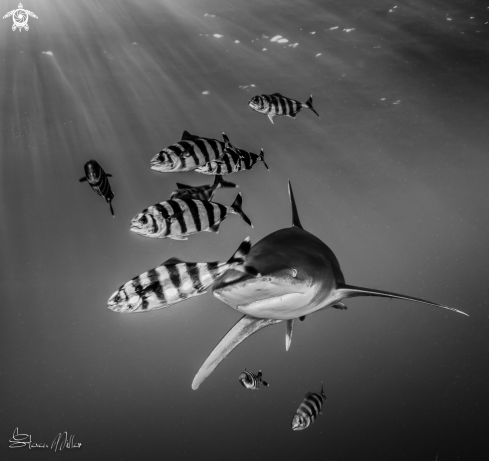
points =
(295, 216)
(245, 327)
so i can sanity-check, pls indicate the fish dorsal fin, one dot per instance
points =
(349, 291)
(172, 261)
(186, 136)
(245, 327)
(295, 216)
(184, 186)
(277, 94)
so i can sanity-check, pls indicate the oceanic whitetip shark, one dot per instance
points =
(290, 274)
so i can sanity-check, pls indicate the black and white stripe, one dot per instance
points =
(308, 410)
(229, 163)
(172, 282)
(251, 381)
(176, 219)
(188, 154)
(99, 181)
(276, 105)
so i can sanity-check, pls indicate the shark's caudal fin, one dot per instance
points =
(245, 327)
(237, 209)
(349, 291)
(289, 326)
(295, 216)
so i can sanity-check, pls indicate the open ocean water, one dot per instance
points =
(394, 178)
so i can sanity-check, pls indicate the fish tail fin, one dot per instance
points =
(219, 182)
(239, 255)
(349, 291)
(262, 158)
(309, 105)
(236, 208)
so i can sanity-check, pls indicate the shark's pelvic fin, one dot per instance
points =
(349, 291)
(295, 216)
(289, 326)
(245, 327)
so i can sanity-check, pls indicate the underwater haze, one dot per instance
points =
(393, 177)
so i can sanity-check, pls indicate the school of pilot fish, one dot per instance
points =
(288, 275)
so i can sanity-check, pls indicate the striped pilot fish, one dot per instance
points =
(99, 182)
(176, 219)
(229, 163)
(172, 282)
(251, 381)
(308, 410)
(188, 154)
(200, 192)
(276, 105)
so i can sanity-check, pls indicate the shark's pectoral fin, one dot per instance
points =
(289, 326)
(245, 327)
(349, 291)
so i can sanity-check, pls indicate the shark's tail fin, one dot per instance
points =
(219, 182)
(349, 291)
(262, 158)
(236, 208)
(309, 105)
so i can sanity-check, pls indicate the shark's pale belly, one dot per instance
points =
(269, 302)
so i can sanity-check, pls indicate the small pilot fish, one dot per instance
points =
(308, 410)
(248, 159)
(251, 381)
(276, 105)
(229, 163)
(178, 218)
(172, 282)
(99, 182)
(200, 192)
(188, 154)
